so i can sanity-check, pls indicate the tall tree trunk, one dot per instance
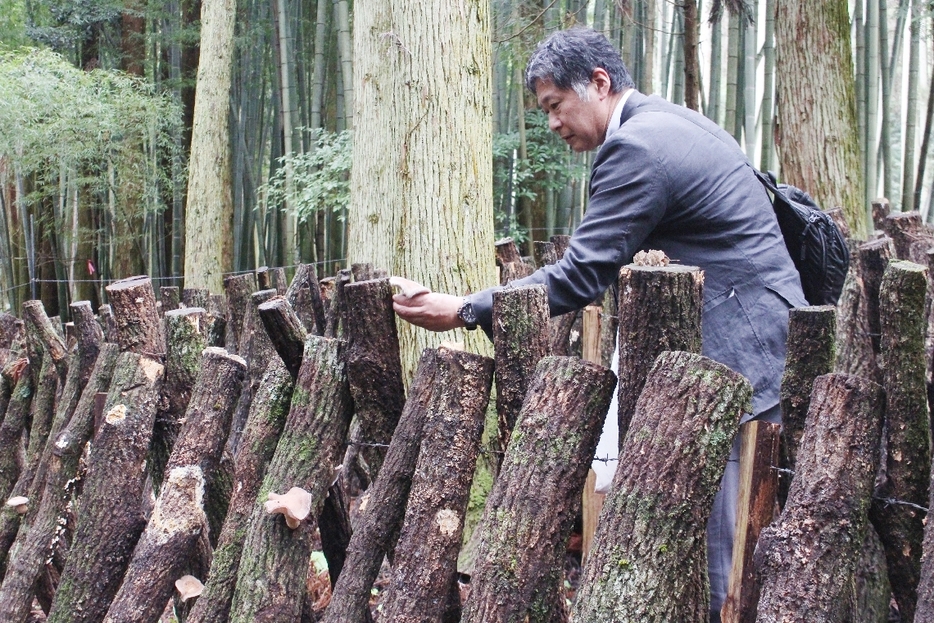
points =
(691, 60)
(872, 96)
(768, 90)
(732, 77)
(911, 110)
(750, 46)
(716, 53)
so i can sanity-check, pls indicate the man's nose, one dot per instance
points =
(553, 122)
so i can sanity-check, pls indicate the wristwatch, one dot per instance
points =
(468, 315)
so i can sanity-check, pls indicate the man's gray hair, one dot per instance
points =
(568, 58)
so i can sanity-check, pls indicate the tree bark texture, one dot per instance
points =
(238, 289)
(178, 520)
(906, 466)
(271, 577)
(374, 366)
(170, 298)
(874, 257)
(195, 297)
(903, 228)
(335, 310)
(816, 100)
(12, 429)
(11, 329)
(649, 558)
(38, 534)
(381, 513)
(425, 561)
(854, 349)
(659, 310)
(304, 294)
(109, 518)
(285, 330)
(108, 323)
(520, 340)
(810, 354)
(530, 512)
(139, 327)
(264, 426)
(38, 323)
(925, 609)
(806, 560)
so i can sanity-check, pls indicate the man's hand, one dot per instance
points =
(423, 308)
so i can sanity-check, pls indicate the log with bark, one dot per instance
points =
(274, 564)
(905, 473)
(520, 340)
(425, 561)
(285, 330)
(874, 256)
(238, 289)
(110, 519)
(807, 559)
(108, 324)
(170, 297)
(649, 560)
(39, 533)
(21, 376)
(855, 354)
(659, 310)
(264, 426)
(139, 326)
(903, 228)
(810, 354)
(11, 329)
(304, 294)
(46, 334)
(925, 610)
(530, 512)
(178, 521)
(335, 308)
(381, 513)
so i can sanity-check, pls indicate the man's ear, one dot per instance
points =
(601, 80)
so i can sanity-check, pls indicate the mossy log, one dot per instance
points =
(530, 512)
(520, 340)
(659, 309)
(285, 331)
(304, 295)
(374, 366)
(855, 354)
(139, 327)
(238, 289)
(925, 608)
(274, 564)
(164, 551)
(264, 426)
(810, 354)
(13, 424)
(109, 519)
(380, 517)
(807, 559)
(649, 559)
(906, 470)
(425, 560)
(37, 536)
(185, 341)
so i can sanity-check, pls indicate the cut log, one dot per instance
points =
(561, 242)
(336, 304)
(659, 309)
(810, 354)
(530, 512)
(215, 320)
(520, 340)
(285, 330)
(13, 426)
(880, 210)
(806, 560)
(195, 297)
(108, 323)
(139, 327)
(874, 256)
(426, 553)
(110, 521)
(238, 289)
(36, 540)
(304, 294)
(178, 520)
(925, 609)
(383, 507)
(507, 252)
(906, 467)
(649, 561)
(170, 298)
(264, 426)
(855, 354)
(903, 228)
(39, 324)
(374, 366)
(11, 330)
(274, 564)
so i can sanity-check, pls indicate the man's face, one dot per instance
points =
(582, 124)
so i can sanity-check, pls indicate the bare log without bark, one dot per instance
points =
(907, 463)
(304, 294)
(806, 559)
(381, 515)
(669, 470)
(178, 519)
(264, 426)
(659, 310)
(531, 510)
(425, 562)
(139, 327)
(110, 520)
(271, 577)
(36, 540)
(810, 354)
(520, 340)
(374, 365)
(285, 331)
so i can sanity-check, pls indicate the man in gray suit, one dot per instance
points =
(666, 178)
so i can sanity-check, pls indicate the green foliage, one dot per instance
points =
(12, 22)
(320, 177)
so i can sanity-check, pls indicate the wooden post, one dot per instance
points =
(533, 504)
(592, 502)
(807, 558)
(906, 470)
(520, 340)
(659, 309)
(649, 553)
(383, 507)
(758, 485)
(425, 568)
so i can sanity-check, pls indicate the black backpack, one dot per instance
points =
(815, 243)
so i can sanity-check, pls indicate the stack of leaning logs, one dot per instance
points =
(149, 444)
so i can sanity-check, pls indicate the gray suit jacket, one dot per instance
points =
(671, 179)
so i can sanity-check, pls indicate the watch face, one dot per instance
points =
(467, 314)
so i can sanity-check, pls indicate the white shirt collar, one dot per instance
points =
(617, 113)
